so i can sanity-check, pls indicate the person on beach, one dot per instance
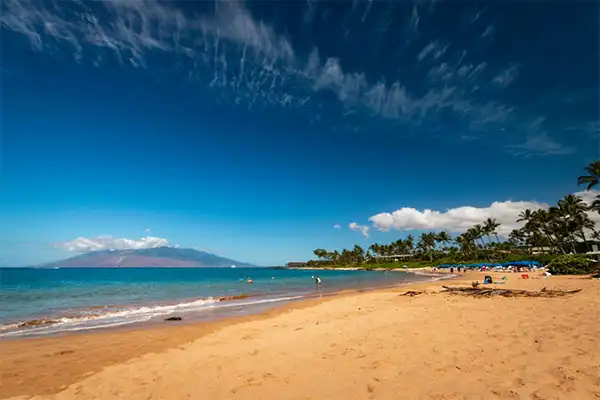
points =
(451, 270)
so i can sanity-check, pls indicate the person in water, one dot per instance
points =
(249, 280)
(317, 280)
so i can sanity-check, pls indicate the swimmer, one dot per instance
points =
(317, 280)
(249, 280)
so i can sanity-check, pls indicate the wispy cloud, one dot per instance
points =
(249, 62)
(337, 226)
(506, 77)
(539, 145)
(433, 49)
(414, 18)
(488, 32)
(589, 128)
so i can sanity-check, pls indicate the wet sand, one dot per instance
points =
(353, 346)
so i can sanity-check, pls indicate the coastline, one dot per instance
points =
(423, 271)
(106, 315)
(359, 337)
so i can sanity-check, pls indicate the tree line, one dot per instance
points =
(561, 229)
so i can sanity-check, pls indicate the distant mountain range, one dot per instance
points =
(156, 257)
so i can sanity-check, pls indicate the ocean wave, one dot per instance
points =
(129, 315)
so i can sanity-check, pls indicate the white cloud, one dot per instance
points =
(337, 226)
(83, 245)
(458, 220)
(455, 219)
(148, 230)
(364, 230)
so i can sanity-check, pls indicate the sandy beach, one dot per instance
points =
(370, 345)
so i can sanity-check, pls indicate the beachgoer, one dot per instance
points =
(317, 280)
(249, 280)
(451, 270)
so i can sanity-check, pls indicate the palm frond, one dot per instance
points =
(591, 181)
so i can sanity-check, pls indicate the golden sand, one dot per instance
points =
(373, 345)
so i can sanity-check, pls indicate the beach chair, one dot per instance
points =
(524, 276)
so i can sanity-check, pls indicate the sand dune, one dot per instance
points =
(375, 345)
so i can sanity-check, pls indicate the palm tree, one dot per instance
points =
(525, 216)
(593, 169)
(375, 249)
(595, 206)
(427, 243)
(443, 237)
(410, 242)
(517, 236)
(572, 214)
(490, 225)
(478, 233)
(358, 254)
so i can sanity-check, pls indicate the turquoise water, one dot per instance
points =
(46, 301)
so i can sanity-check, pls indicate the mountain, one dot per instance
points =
(156, 257)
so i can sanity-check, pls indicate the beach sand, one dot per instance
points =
(371, 345)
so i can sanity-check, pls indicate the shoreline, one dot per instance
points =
(211, 309)
(159, 333)
(95, 364)
(423, 271)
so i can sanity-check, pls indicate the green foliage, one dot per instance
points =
(544, 234)
(570, 264)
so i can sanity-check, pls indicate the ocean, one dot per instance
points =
(40, 301)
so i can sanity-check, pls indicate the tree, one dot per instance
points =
(359, 254)
(375, 249)
(595, 206)
(573, 211)
(593, 177)
(517, 237)
(561, 228)
(443, 237)
(410, 243)
(489, 226)
(320, 253)
(427, 243)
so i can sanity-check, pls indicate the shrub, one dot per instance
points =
(570, 264)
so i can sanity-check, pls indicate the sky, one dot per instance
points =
(260, 131)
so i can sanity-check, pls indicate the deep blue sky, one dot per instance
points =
(251, 129)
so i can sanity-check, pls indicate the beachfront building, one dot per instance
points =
(541, 250)
(592, 247)
(393, 257)
(296, 264)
